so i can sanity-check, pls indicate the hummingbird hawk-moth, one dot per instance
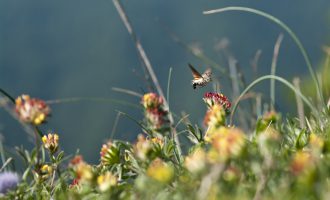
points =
(200, 79)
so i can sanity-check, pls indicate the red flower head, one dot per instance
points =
(212, 98)
(31, 110)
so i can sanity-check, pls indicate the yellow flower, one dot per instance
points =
(196, 162)
(214, 118)
(46, 169)
(105, 181)
(31, 110)
(142, 147)
(160, 171)
(158, 140)
(155, 115)
(227, 142)
(50, 142)
(302, 162)
(316, 142)
(110, 153)
(44, 172)
(84, 172)
(151, 101)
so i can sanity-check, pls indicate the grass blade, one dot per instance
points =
(300, 106)
(96, 99)
(115, 125)
(280, 79)
(7, 95)
(273, 70)
(6, 163)
(126, 91)
(168, 86)
(131, 118)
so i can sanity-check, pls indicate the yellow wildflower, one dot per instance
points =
(151, 101)
(227, 142)
(142, 147)
(158, 140)
(84, 172)
(196, 162)
(45, 172)
(110, 154)
(302, 162)
(105, 181)
(31, 110)
(316, 142)
(160, 171)
(50, 142)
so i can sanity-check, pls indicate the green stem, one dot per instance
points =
(38, 131)
(168, 86)
(273, 70)
(37, 135)
(7, 95)
(286, 28)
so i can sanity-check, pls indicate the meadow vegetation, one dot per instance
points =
(240, 152)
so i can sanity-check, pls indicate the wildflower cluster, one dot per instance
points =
(218, 108)
(50, 142)
(31, 110)
(160, 171)
(83, 172)
(155, 114)
(211, 99)
(223, 162)
(109, 154)
(227, 143)
(106, 181)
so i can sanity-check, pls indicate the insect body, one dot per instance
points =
(200, 79)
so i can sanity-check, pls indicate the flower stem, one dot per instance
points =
(7, 95)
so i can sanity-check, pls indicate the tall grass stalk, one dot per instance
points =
(2, 151)
(6, 94)
(147, 64)
(168, 86)
(280, 79)
(273, 70)
(115, 124)
(300, 105)
(254, 63)
(26, 127)
(4, 165)
(233, 72)
(326, 71)
(286, 28)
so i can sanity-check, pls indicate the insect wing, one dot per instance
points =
(195, 73)
(208, 72)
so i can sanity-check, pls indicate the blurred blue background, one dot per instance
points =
(62, 49)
